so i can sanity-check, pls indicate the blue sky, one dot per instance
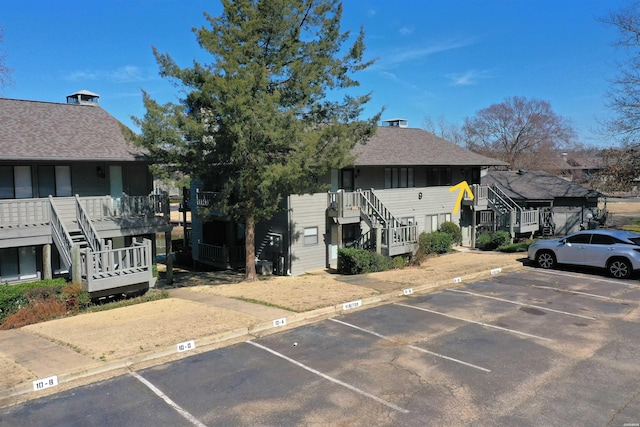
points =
(436, 58)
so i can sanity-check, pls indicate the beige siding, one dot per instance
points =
(407, 202)
(308, 211)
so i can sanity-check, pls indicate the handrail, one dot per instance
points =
(118, 264)
(61, 236)
(87, 228)
(205, 198)
(375, 206)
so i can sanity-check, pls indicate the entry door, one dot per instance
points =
(115, 181)
(347, 180)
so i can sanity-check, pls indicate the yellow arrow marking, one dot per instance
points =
(461, 187)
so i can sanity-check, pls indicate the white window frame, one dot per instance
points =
(311, 236)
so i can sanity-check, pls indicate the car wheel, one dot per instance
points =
(546, 259)
(619, 268)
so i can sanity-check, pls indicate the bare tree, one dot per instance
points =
(525, 133)
(5, 72)
(624, 100)
(445, 130)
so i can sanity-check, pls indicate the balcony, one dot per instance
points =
(27, 221)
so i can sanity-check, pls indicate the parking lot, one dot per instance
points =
(530, 348)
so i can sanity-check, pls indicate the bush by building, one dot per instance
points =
(361, 261)
(435, 242)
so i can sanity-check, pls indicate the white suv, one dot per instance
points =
(616, 250)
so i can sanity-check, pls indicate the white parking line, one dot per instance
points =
(587, 294)
(583, 276)
(522, 304)
(487, 325)
(411, 346)
(327, 377)
(167, 400)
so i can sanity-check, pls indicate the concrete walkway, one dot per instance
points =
(257, 310)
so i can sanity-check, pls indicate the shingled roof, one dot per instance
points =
(536, 186)
(397, 146)
(33, 130)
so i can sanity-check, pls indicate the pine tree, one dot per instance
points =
(269, 114)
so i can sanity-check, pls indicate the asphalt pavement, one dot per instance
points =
(34, 366)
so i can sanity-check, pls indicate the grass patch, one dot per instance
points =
(151, 295)
(268, 304)
(634, 226)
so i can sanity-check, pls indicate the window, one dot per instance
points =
(398, 177)
(22, 182)
(6, 182)
(311, 236)
(433, 222)
(440, 176)
(9, 265)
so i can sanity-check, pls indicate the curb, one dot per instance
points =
(171, 353)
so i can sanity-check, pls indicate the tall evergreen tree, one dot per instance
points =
(269, 114)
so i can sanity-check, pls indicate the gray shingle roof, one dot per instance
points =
(32, 130)
(414, 147)
(536, 185)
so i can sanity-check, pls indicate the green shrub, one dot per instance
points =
(360, 261)
(435, 242)
(452, 229)
(500, 238)
(515, 247)
(491, 241)
(400, 262)
(13, 297)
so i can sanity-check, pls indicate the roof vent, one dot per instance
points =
(83, 97)
(396, 123)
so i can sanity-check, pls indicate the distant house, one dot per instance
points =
(74, 189)
(560, 206)
(398, 187)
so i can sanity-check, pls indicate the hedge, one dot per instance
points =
(435, 242)
(361, 261)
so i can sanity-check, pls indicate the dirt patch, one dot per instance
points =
(624, 207)
(150, 326)
(300, 293)
(12, 374)
(322, 289)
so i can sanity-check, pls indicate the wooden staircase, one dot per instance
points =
(103, 269)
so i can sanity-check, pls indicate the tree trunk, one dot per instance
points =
(250, 249)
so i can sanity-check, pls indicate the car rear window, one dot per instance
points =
(603, 239)
(635, 240)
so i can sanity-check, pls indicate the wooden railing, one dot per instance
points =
(113, 268)
(222, 256)
(20, 212)
(86, 225)
(205, 199)
(60, 235)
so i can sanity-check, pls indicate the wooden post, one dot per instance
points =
(169, 250)
(474, 226)
(46, 262)
(377, 231)
(76, 266)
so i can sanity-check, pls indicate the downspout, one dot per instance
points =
(288, 261)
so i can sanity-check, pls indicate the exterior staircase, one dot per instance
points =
(394, 237)
(509, 215)
(102, 267)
